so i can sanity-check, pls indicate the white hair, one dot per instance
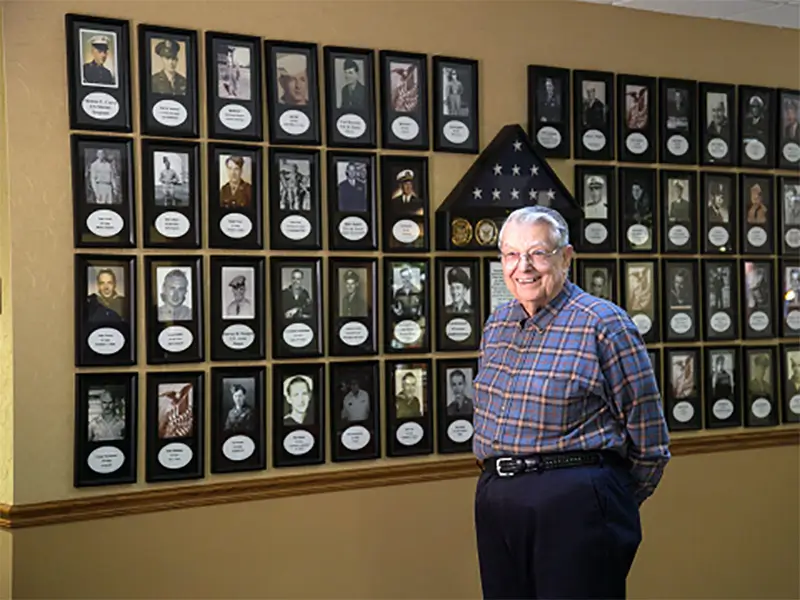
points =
(530, 215)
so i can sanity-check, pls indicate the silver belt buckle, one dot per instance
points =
(497, 464)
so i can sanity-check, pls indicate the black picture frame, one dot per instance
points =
(788, 194)
(761, 371)
(233, 87)
(404, 211)
(175, 434)
(718, 142)
(756, 131)
(99, 96)
(790, 382)
(677, 117)
(458, 324)
(295, 207)
(353, 315)
(409, 424)
(637, 125)
(679, 211)
(352, 216)
(639, 287)
(294, 121)
(723, 387)
(106, 443)
(303, 327)
(454, 399)
(407, 305)
(721, 293)
(790, 297)
(599, 277)
(549, 124)
(683, 397)
(355, 412)
(404, 125)
(175, 335)
(238, 434)
(654, 354)
(171, 196)
(758, 299)
(237, 283)
(495, 291)
(788, 129)
(681, 309)
(168, 108)
(103, 192)
(350, 111)
(593, 124)
(719, 212)
(639, 216)
(456, 127)
(106, 310)
(294, 442)
(758, 215)
(598, 233)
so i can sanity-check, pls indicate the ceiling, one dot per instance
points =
(776, 13)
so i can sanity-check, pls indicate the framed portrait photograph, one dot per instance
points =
(354, 319)
(295, 207)
(406, 305)
(639, 291)
(293, 94)
(456, 114)
(238, 419)
(790, 296)
(103, 192)
(238, 307)
(404, 203)
(495, 290)
(758, 213)
(758, 283)
(596, 192)
(168, 82)
(723, 388)
(789, 189)
(454, 408)
(404, 100)
(106, 310)
(637, 127)
(677, 118)
(639, 212)
(409, 402)
(761, 372)
(296, 286)
(350, 97)
(654, 354)
(679, 216)
(355, 407)
(352, 201)
(790, 382)
(593, 115)
(682, 401)
(719, 213)
(233, 87)
(788, 135)
(721, 299)
(175, 310)
(681, 309)
(757, 127)
(171, 194)
(298, 414)
(598, 277)
(718, 131)
(175, 426)
(106, 429)
(458, 304)
(98, 73)
(549, 94)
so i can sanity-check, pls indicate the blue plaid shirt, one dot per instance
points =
(574, 376)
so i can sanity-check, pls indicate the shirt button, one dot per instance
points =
(503, 407)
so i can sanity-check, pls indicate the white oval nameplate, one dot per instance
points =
(298, 335)
(643, 323)
(238, 336)
(794, 404)
(594, 140)
(169, 113)
(100, 106)
(683, 411)
(677, 145)
(104, 223)
(235, 117)
(637, 143)
(718, 148)
(351, 126)
(458, 329)
(595, 233)
(175, 455)
(720, 322)
(409, 434)
(294, 122)
(406, 231)
(549, 137)
(718, 236)
(678, 235)
(175, 338)
(405, 128)
(172, 224)
(638, 234)
(460, 431)
(105, 459)
(353, 228)
(236, 225)
(792, 238)
(353, 333)
(758, 321)
(793, 319)
(680, 323)
(106, 341)
(755, 150)
(407, 331)
(722, 409)
(791, 152)
(298, 442)
(455, 132)
(238, 447)
(295, 227)
(355, 438)
(757, 236)
(761, 407)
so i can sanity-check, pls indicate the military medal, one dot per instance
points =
(461, 232)
(486, 232)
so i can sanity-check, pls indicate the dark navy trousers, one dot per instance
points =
(567, 533)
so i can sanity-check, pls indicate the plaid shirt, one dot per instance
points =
(575, 376)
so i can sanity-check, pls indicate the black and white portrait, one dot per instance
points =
(682, 375)
(679, 204)
(681, 287)
(639, 202)
(171, 178)
(595, 108)
(406, 196)
(720, 279)
(757, 293)
(790, 126)
(718, 200)
(235, 180)
(292, 78)
(355, 386)
(106, 413)
(678, 109)
(597, 281)
(298, 400)
(760, 371)
(352, 184)
(639, 288)
(722, 373)
(233, 72)
(295, 184)
(791, 204)
(637, 102)
(717, 123)
(757, 207)
(404, 86)
(407, 292)
(238, 290)
(595, 196)
(237, 405)
(100, 58)
(103, 176)
(792, 384)
(456, 84)
(174, 289)
(297, 303)
(350, 85)
(549, 100)
(459, 391)
(458, 290)
(755, 120)
(175, 410)
(791, 287)
(168, 66)
(409, 395)
(105, 295)
(353, 292)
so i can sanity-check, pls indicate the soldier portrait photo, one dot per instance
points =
(352, 395)
(679, 208)
(791, 288)
(790, 126)
(755, 120)
(298, 400)
(174, 289)
(406, 198)
(105, 295)
(637, 101)
(595, 196)
(171, 179)
(235, 181)
(757, 211)
(717, 124)
(237, 405)
(353, 292)
(455, 91)
(167, 67)
(678, 109)
(99, 52)
(175, 410)
(679, 295)
(792, 384)
(595, 110)
(639, 204)
(718, 200)
(294, 184)
(760, 371)
(719, 287)
(297, 303)
(233, 72)
(639, 287)
(722, 374)
(459, 391)
(352, 184)
(597, 281)
(292, 79)
(409, 393)
(458, 291)
(237, 293)
(549, 100)
(756, 291)
(106, 413)
(404, 86)
(351, 91)
(103, 176)
(682, 375)
(407, 293)
(791, 204)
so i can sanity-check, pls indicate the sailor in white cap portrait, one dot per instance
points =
(595, 199)
(98, 48)
(292, 79)
(167, 80)
(405, 195)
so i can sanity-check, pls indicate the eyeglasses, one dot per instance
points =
(538, 258)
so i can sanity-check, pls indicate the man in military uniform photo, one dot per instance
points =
(295, 299)
(459, 284)
(95, 71)
(352, 302)
(759, 384)
(174, 291)
(240, 416)
(407, 404)
(109, 425)
(236, 192)
(240, 307)
(102, 179)
(406, 199)
(353, 92)
(167, 81)
(459, 403)
(595, 203)
(105, 305)
(407, 301)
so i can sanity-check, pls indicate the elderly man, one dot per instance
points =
(569, 428)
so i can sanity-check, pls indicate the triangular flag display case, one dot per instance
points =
(508, 175)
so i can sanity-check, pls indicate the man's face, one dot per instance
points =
(101, 155)
(598, 287)
(295, 87)
(457, 384)
(174, 291)
(590, 94)
(354, 386)
(106, 403)
(458, 291)
(678, 281)
(595, 194)
(238, 292)
(408, 188)
(791, 115)
(719, 364)
(636, 190)
(409, 384)
(351, 172)
(299, 396)
(760, 369)
(238, 398)
(106, 286)
(100, 54)
(297, 280)
(350, 287)
(755, 194)
(350, 76)
(170, 64)
(716, 115)
(548, 85)
(234, 171)
(405, 278)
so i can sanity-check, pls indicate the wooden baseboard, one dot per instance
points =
(97, 507)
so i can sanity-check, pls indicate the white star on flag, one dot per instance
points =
(495, 194)
(534, 170)
(477, 193)
(515, 194)
(515, 170)
(517, 146)
(498, 169)
(532, 194)
(551, 194)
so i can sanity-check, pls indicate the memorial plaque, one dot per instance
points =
(355, 407)
(718, 132)
(681, 309)
(639, 292)
(455, 404)
(789, 189)
(761, 371)
(407, 305)
(350, 93)
(721, 299)
(719, 212)
(759, 302)
(593, 114)
(790, 297)
(636, 118)
(234, 197)
(352, 201)
(404, 203)
(723, 397)
(354, 320)
(682, 402)
(637, 199)
(598, 277)
(495, 290)
(788, 129)
(295, 210)
(456, 116)
(757, 131)
(404, 100)
(458, 325)
(409, 418)
(549, 94)
(296, 307)
(596, 192)
(790, 382)
(679, 216)
(758, 213)
(298, 414)
(677, 121)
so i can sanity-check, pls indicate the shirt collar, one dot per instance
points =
(541, 319)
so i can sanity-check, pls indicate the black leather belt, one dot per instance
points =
(508, 466)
